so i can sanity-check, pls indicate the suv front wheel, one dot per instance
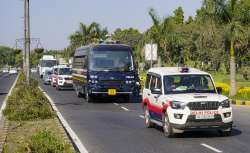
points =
(226, 133)
(167, 128)
(147, 117)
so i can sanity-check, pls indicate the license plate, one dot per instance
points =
(201, 115)
(112, 92)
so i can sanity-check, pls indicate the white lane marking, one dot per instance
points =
(65, 124)
(7, 96)
(116, 104)
(124, 108)
(211, 148)
(141, 116)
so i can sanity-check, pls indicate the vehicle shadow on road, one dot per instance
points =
(201, 134)
(116, 100)
(3, 93)
(206, 134)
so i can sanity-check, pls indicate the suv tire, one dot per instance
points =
(226, 133)
(167, 127)
(147, 117)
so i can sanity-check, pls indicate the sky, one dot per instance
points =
(54, 20)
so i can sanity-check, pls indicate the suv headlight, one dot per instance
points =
(225, 104)
(60, 78)
(177, 105)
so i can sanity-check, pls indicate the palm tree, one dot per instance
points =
(87, 34)
(234, 35)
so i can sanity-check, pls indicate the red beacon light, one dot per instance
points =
(184, 70)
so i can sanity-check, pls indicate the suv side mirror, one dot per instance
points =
(156, 91)
(219, 90)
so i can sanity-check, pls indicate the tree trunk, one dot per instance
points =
(233, 89)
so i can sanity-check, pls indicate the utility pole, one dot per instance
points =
(25, 37)
(151, 48)
(27, 40)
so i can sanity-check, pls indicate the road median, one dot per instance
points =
(33, 125)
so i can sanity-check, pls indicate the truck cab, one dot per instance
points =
(185, 99)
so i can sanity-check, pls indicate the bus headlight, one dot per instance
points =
(130, 77)
(93, 76)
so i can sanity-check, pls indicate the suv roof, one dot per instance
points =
(175, 71)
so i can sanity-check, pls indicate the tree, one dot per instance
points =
(85, 35)
(129, 36)
(179, 16)
(234, 35)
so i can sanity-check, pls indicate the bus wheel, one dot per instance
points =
(78, 93)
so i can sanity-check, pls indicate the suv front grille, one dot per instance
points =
(207, 105)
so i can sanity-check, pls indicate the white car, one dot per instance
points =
(63, 78)
(13, 71)
(185, 99)
(33, 70)
(5, 70)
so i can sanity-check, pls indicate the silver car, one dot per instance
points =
(47, 77)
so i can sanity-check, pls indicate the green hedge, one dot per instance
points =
(27, 102)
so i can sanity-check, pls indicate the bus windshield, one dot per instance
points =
(175, 84)
(48, 63)
(111, 61)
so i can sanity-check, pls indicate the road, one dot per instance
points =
(112, 127)
(6, 82)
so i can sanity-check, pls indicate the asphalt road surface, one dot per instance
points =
(112, 127)
(6, 81)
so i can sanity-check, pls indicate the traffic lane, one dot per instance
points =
(6, 82)
(239, 141)
(105, 127)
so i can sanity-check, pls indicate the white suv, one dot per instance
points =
(185, 99)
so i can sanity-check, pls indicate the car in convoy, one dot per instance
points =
(185, 99)
(105, 69)
(46, 63)
(54, 71)
(13, 71)
(5, 70)
(33, 70)
(47, 77)
(64, 78)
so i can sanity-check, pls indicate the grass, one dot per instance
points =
(26, 136)
(224, 78)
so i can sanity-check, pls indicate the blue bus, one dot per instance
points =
(105, 70)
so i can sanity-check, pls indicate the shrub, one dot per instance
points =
(27, 102)
(46, 142)
(245, 72)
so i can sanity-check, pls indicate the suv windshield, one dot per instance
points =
(48, 63)
(110, 61)
(65, 71)
(175, 84)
